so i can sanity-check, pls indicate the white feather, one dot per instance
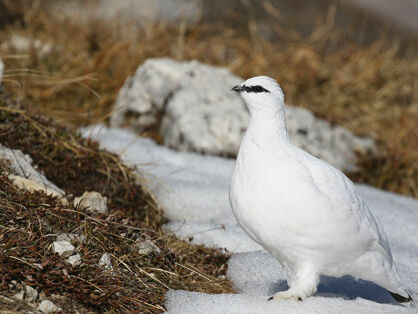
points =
(305, 212)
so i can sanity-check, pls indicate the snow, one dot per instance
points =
(230, 236)
(259, 274)
(182, 302)
(192, 189)
(188, 186)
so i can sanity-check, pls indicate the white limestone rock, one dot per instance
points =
(21, 169)
(92, 202)
(19, 296)
(74, 259)
(105, 261)
(47, 306)
(194, 108)
(146, 247)
(67, 237)
(31, 293)
(63, 248)
(32, 186)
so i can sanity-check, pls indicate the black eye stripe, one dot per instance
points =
(254, 89)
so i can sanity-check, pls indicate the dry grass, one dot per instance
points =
(29, 224)
(370, 90)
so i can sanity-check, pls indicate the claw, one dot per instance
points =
(269, 299)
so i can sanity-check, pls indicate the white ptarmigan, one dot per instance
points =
(303, 211)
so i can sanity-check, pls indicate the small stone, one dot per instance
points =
(63, 248)
(19, 296)
(92, 202)
(74, 259)
(31, 293)
(147, 247)
(105, 261)
(47, 306)
(70, 237)
(66, 237)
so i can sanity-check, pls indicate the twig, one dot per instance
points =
(90, 283)
(25, 262)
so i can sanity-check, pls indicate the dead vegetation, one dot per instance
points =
(30, 223)
(370, 90)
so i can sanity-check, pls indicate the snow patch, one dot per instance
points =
(193, 189)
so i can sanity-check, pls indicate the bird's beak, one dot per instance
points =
(237, 89)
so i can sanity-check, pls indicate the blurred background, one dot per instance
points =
(351, 62)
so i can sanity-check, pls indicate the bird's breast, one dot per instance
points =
(274, 201)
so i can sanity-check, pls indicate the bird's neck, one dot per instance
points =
(268, 129)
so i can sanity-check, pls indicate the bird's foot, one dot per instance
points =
(287, 295)
(303, 284)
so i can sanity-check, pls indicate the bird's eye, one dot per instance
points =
(255, 89)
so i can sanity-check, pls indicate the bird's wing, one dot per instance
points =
(344, 199)
(375, 260)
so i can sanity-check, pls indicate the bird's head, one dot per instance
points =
(261, 93)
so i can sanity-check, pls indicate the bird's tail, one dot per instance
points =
(400, 298)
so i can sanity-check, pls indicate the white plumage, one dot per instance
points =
(303, 211)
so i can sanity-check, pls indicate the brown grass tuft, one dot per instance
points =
(370, 90)
(29, 224)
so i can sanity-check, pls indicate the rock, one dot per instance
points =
(32, 186)
(92, 202)
(74, 259)
(105, 261)
(47, 306)
(26, 176)
(216, 117)
(19, 296)
(70, 237)
(31, 293)
(201, 114)
(63, 248)
(67, 237)
(334, 144)
(21, 165)
(146, 247)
